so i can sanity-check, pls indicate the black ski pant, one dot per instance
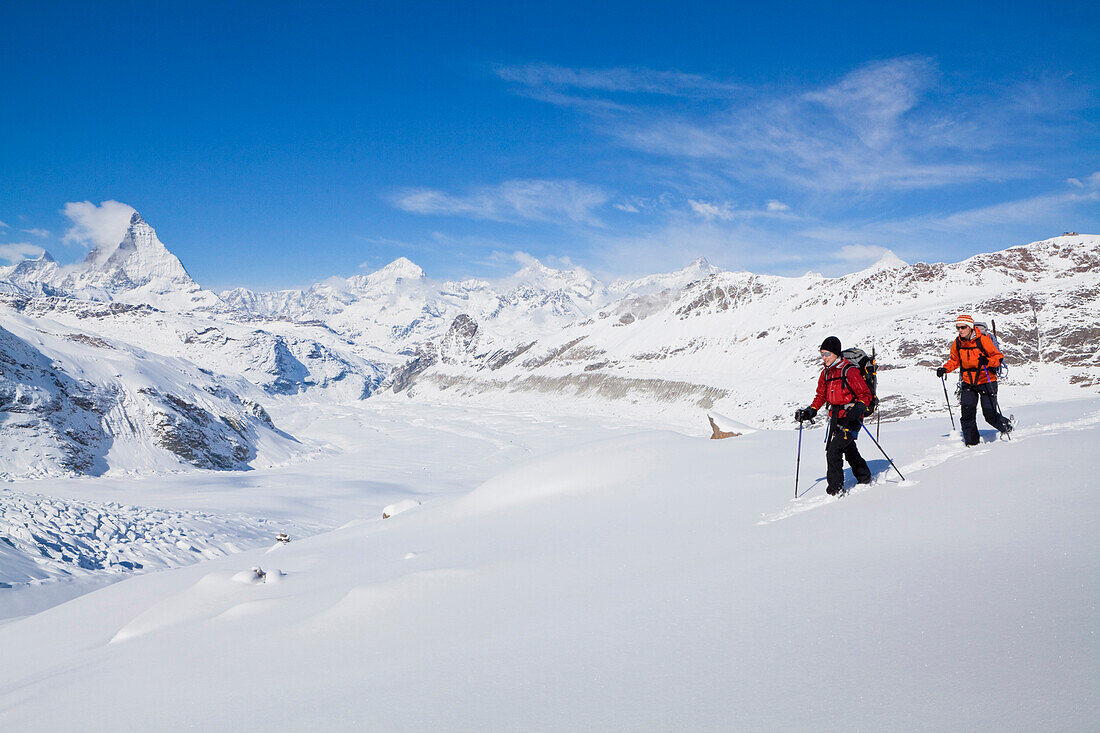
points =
(842, 445)
(968, 400)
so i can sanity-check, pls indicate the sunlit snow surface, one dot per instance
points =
(591, 573)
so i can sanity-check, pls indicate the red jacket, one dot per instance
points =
(831, 389)
(967, 353)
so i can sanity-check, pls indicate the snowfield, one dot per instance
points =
(561, 572)
(504, 511)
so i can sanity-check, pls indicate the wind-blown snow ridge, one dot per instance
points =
(627, 581)
(933, 456)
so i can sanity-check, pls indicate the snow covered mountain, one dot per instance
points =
(140, 292)
(398, 308)
(139, 269)
(73, 402)
(746, 344)
(742, 344)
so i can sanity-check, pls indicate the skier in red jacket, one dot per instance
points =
(842, 387)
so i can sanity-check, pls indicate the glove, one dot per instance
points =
(806, 413)
(940, 371)
(854, 414)
(982, 361)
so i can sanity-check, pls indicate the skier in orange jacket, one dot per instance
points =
(977, 357)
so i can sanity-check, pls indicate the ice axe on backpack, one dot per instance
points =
(878, 413)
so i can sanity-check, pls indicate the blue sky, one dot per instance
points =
(276, 144)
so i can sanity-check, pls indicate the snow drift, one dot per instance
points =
(649, 581)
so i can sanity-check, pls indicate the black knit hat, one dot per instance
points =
(831, 344)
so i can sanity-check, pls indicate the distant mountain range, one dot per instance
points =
(125, 349)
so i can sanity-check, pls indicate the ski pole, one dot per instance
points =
(948, 401)
(884, 453)
(798, 461)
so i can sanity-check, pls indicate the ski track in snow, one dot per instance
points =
(934, 456)
(64, 538)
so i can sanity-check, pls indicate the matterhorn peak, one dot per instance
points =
(138, 267)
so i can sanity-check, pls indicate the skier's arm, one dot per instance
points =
(819, 398)
(953, 363)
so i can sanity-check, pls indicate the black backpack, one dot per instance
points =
(868, 369)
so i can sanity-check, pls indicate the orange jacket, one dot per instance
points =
(967, 354)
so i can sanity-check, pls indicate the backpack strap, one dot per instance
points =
(844, 380)
(959, 349)
(979, 342)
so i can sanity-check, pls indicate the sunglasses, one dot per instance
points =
(962, 328)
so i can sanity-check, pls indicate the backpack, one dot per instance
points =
(868, 369)
(1002, 368)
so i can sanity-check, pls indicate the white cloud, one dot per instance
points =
(511, 201)
(1050, 206)
(526, 259)
(725, 211)
(722, 212)
(19, 251)
(861, 253)
(36, 232)
(890, 125)
(872, 100)
(628, 208)
(985, 228)
(97, 226)
(636, 80)
(1092, 181)
(4, 226)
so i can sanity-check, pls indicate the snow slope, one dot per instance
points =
(620, 579)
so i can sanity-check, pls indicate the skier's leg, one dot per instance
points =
(989, 407)
(859, 466)
(834, 459)
(968, 408)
